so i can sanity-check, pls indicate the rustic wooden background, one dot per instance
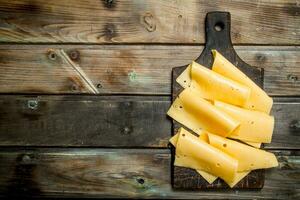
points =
(85, 86)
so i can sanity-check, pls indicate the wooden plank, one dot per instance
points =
(115, 173)
(106, 121)
(84, 121)
(145, 21)
(128, 69)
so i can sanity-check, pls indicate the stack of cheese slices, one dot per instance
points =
(230, 115)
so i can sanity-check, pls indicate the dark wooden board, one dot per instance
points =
(145, 21)
(184, 178)
(122, 173)
(130, 69)
(82, 120)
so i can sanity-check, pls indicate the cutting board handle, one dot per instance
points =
(217, 34)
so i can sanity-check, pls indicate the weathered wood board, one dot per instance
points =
(130, 69)
(145, 21)
(112, 121)
(49, 50)
(122, 173)
(217, 38)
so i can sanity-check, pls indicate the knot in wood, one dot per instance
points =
(292, 77)
(99, 85)
(149, 22)
(32, 104)
(140, 181)
(261, 58)
(126, 130)
(26, 158)
(109, 3)
(295, 125)
(74, 55)
(52, 55)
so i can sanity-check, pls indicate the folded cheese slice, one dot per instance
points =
(249, 158)
(189, 163)
(258, 100)
(255, 126)
(213, 86)
(196, 113)
(205, 156)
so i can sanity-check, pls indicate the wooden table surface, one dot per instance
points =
(85, 86)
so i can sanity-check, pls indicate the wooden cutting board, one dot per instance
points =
(217, 30)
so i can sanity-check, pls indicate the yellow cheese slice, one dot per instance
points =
(255, 126)
(196, 113)
(185, 79)
(193, 164)
(214, 86)
(258, 100)
(174, 139)
(205, 156)
(188, 162)
(237, 178)
(249, 158)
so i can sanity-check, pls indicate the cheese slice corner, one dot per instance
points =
(184, 79)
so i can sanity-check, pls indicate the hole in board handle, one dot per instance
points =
(219, 26)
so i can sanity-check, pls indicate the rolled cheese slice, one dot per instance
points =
(249, 158)
(255, 126)
(196, 113)
(205, 156)
(191, 163)
(213, 86)
(258, 100)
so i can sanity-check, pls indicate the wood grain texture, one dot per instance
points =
(113, 173)
(144, 21)
(129, 69)
(119, 121)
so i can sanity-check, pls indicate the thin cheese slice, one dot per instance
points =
(213, 86)
(255, 126)
(205, 156)
(258, 100)
(188, 162)
(191, 163)
(185, 78)
(196, 113)
(238, 177)
(207, 176)
(249, 158)
(174, 140)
